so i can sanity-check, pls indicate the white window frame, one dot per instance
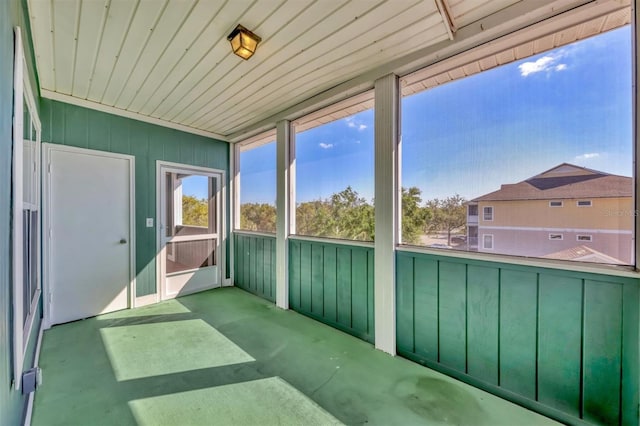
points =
(335, 112)
(584, 235)
(484, 214)
(257, 141)
(560, 205)
(556, 239)
(23, 93)
(584, 205)
(484, 247)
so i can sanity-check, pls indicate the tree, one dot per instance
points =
(258, 217)
(413, 216)
(195, 212)
(354, 217)
(447, 215)
(314, 218)
(343, 215)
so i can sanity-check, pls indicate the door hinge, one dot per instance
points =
(49, 167)
(50, 298)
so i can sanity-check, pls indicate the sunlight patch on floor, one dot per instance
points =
(269, 401)
(147, 350)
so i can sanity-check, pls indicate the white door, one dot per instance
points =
(89, 212)
(189, 231)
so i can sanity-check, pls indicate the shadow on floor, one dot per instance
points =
(227, 357)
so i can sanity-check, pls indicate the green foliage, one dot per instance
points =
(195, 212)
(346, 215)
(447, 215)
(258, 217)
(413, 216)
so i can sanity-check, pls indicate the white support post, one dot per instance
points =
(387, 107)
(234, 208)
(285, 170)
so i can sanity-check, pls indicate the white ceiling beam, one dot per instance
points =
(447, 18)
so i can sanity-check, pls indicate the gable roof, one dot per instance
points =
(584, 254)
(564, 181)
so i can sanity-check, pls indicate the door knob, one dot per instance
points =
(123, 241)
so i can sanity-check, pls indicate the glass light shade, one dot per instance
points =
(243, 42)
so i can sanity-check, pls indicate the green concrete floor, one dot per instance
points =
(226, 357)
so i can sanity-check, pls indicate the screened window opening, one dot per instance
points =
(257, 184)
(488, 147)
(334, 171)
(191, 208)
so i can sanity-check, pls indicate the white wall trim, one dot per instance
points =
(387, 194)
(322, 240)
(254, 233)
(48, 148)
(55, 96)
(564, 265)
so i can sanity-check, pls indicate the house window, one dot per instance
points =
(472, 210)
(487, 213)
(334, 171)
(555, 237)
(487, 241)
(584, 238)
(256, 184)
(26, 210)
(463, 145)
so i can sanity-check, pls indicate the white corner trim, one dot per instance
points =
(55, 96)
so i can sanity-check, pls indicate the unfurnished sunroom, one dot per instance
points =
(394, 211)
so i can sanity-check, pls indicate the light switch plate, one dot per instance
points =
(149, 222)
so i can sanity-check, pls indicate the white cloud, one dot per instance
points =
(545, 64)
(351, 122)
(325, 145)
(588, 156)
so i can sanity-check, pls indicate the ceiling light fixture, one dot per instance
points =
(243, 42)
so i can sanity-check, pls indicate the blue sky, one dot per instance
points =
(571, 104)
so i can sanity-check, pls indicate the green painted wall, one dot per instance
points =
(333, 283)
(81, 127)
(12, 403)
(255, 264)
(562, 343)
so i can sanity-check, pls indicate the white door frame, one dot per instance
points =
(221, 216)
(48, 149)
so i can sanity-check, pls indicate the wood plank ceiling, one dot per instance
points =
(169, 60)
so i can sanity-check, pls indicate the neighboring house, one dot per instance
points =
(554, 213)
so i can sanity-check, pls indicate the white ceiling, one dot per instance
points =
(168, 61)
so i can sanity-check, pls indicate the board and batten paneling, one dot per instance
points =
(255, 264)
(562, 343)
(72, 125)
(333, 283)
